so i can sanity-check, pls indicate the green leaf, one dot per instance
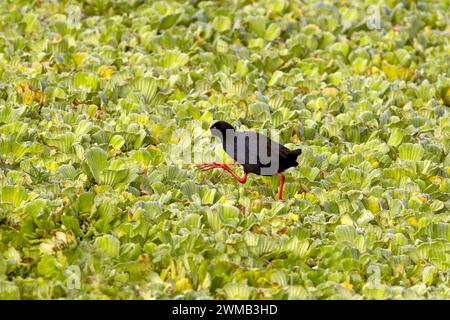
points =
(229, 214)
(298, 248)
(97, 161)
(272, 32)
(342, 48)
(130, 251)
(222, 23)
(441, 231)
(147, 86)
(428, 275)
(108, 245)
(48, 267)
(169, 21)
(257, 25)
(14, 195)
(62, 142)
(277, 6)
(396, 137)
(9, 291)
(9, 114)
(375, 291)
(71, 223)
(113, 176)
(276, 76)
(85, 81)
(237, 291)
(117, 141)
(174, 59)
(68, 171)
(345, 233)
(410, 151)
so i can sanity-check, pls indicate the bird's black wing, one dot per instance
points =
(256, 151)
(275, 147)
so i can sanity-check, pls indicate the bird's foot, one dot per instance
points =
(224, 167)
(209, 165)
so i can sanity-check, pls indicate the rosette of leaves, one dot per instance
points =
(104, 171)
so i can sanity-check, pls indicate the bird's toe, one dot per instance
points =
(221, 173)
(207, 166)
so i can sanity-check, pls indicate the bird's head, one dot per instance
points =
(221, 129)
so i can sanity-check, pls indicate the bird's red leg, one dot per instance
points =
(234, 174)
(223, 170)
(212, 165)
(280, 189)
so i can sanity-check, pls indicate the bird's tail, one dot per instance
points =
(296, 152)
(293, 156)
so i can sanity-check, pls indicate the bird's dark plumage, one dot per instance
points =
(254, 151)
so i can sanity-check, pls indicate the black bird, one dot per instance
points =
(254, 151)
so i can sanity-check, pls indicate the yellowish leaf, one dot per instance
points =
(399, 268)
(330, 91)
(57, 38)
(105, 71)
(79, 57)
(347, 220)
(254, 194)
(39, 96)
(292, 216)
(347, 284)
(300, 196)
(37, 67)
(28, 98)
(183, 284)
(372, 70)
(412, 221)
(22, 87)
(423, 198)
(437, 180)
